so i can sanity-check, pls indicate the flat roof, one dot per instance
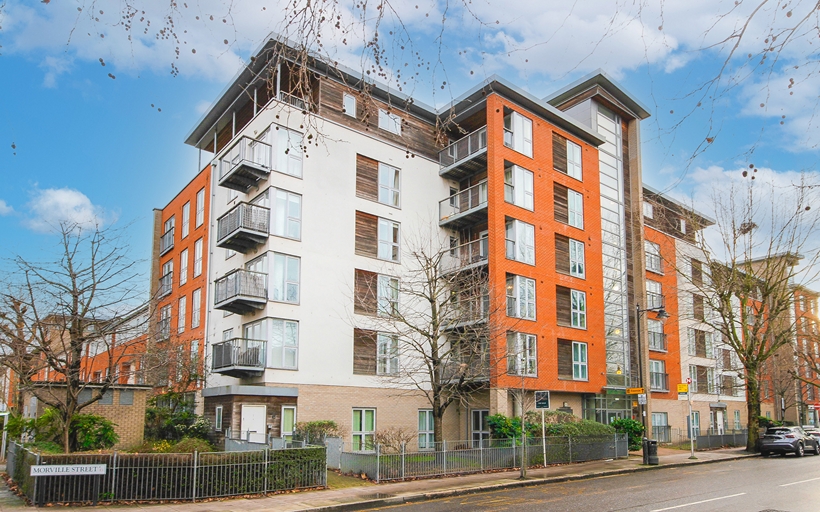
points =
(709, 220)
(601, 78)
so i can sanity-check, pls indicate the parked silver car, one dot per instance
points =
(788, 440)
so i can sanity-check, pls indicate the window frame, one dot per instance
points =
(182, 306)
(362, 438)
(346, 98)
(519, 284)
(198, 258)
(648, 210)
(523, 359)
(279, 327)
(186, 219)
(196, 308)
(578, 309)
(390, 122)
(513, 174)
(580, 361)
(574, 168)
(393, 191)
(574, 246)
(387, 305)
(652, 252)
(387, 354)
(516, 228)
(200, 207)
(288, 221)
(183, 266)
(280, 280)
(394, 229)
(575, 209)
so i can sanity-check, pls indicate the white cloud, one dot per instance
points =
(52, 206)
(5, 208)
(54, 66)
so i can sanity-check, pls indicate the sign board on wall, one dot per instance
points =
(69, 469)
(542, 399)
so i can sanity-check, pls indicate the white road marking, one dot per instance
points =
(698, 502)
(800, 482)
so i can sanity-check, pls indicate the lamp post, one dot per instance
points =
(662, 315)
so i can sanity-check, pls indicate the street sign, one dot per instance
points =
(634, 391)
(688, 380)
(542, 399)
(642, 398)
(683, 388)
(69, 469)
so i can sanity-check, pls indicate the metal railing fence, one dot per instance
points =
(240, 283)
(166, 241)
(243, 216)
(706, 439)
(463, 201)
(463, 148)
(458, 457)
(169, 476)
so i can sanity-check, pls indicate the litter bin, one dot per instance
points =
(650, 451)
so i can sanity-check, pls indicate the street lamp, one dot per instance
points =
(662, 315)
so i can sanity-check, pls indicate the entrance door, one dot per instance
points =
(614, 415)
(253, 423)
(479, 428)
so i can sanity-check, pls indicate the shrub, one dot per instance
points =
(92, 432)
(17, 425)
(391, 439)
(557, 424)
(171, 416)
(191, 444)
(765, 422)
(633, 428)
(316, 431)
(502, 427)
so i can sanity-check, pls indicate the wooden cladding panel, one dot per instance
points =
(561, 254)
(365, 300)
(561, 203)
(559, 152)
(364, 352)
(564, 359)
(563, 306)
(697, 272)
(417, 135)
(367, 233)
(244, 115)
(367, 178)
(697, 307)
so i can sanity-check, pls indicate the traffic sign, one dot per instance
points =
(683, 388)
(542, 399)
(642, 398)
(688, 380)
(634, 391)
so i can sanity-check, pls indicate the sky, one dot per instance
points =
(97, 97)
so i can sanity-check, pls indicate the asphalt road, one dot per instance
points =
(774, 484)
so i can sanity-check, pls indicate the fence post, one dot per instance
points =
(569, 442)
(193, 484)
(36, 480)
(513, 447)
(378, 461)
(113, 476)
(403, 446)
(616, 446)
(265, 490)
(444, 447)
(481, 454)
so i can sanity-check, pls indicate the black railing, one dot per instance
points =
(657, 341)
(240, 283)
(244, 216)
(166, 241)
(239, 352)
(658, 381)
(166, 284)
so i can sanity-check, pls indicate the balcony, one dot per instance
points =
(166, 284)
(244, 226)
(239, 357)
(468, 311)
(166, 241)
(463, 208)
(475, 368)
(293, 100)
(658, 381)
(245, 164)
(241, 292)
(469, 255)
(465, 156)
(657, 341)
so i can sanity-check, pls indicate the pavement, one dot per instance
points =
(372, 496)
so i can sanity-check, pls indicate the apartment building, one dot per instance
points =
(685, 345)
(538, 196)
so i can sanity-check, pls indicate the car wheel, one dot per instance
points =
(800, 450)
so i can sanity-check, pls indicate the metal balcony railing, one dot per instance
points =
(463, 202)
(658, 381)
(241, 291)
(166, 284)
(470, 310)
(293, 100)
(244, 164)
(463, 148)
(166, 241)
(470, 253)
(238, 354)
(475, 367)
(244, 226)
(657, 341)
(654, 300)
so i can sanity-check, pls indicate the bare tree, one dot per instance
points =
(69, 322)
(749, 275)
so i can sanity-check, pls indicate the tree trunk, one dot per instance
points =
(752, 410)
(438, 420)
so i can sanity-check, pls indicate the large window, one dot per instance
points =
(183, 267)
(186, 218)
(388, 240)
(285, 278)
(653, 257)
(426, 430)
(288, 421)
(657, 376)
(282, 337)
(389, 187)
(364, 426)
(518, 186)
(521, 354)
(520, 243)
(181, 313)
(198, 257)
(576, 209)
(389, 121)
(517, 132)
(568, 206)
(287, 214)
(578, 309)
(566, 156)
(648, 210)
(387, 296)
(387, 354)
(577, 267)
(196, 307)
(200, 207)
(700, 343)
(574, 160)
(579, 361)
(520, 297)
(657, 340)
(288, 147)
(654, 294)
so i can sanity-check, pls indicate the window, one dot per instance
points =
(572, 360)
(520, 297)
(387, 296)
(657, 376)
(387, 354)
(521, 354)
(426, 432)
(186, 218)
(576, 209)
(576, 258)
(695, 423)
(683, 226)
(198, 257)
(169, 224)
(288, 422)
(388, 185)
(349, 105)
(520, 243)
(479, 427)
(388, 240)
(574, 160)
(288, 144)
(654, 294)
(579, 309)
(568, 206)
(648, 210)
(195, 351)
(287, 214)
(284, 344)
(126, 397)
(364, 426)
(285, 278)
(738, 425)
(579, 360)
(389, 122)
(182, 314)
(653, 257)
(657, 340)
(700, 343)
(517, 132)
(166, 282)
(569, 256)
(164, 328)
(200, 207)
(518, 187)
(196, 303)
(218, 418)
(183, 267)
(566, 156)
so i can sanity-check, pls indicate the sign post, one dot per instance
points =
(542, 402)
(691, 418)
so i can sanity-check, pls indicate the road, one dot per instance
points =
(776, 484)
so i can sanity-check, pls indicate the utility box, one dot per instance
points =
(650, 451)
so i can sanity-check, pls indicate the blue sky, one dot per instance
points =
(77, 143)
